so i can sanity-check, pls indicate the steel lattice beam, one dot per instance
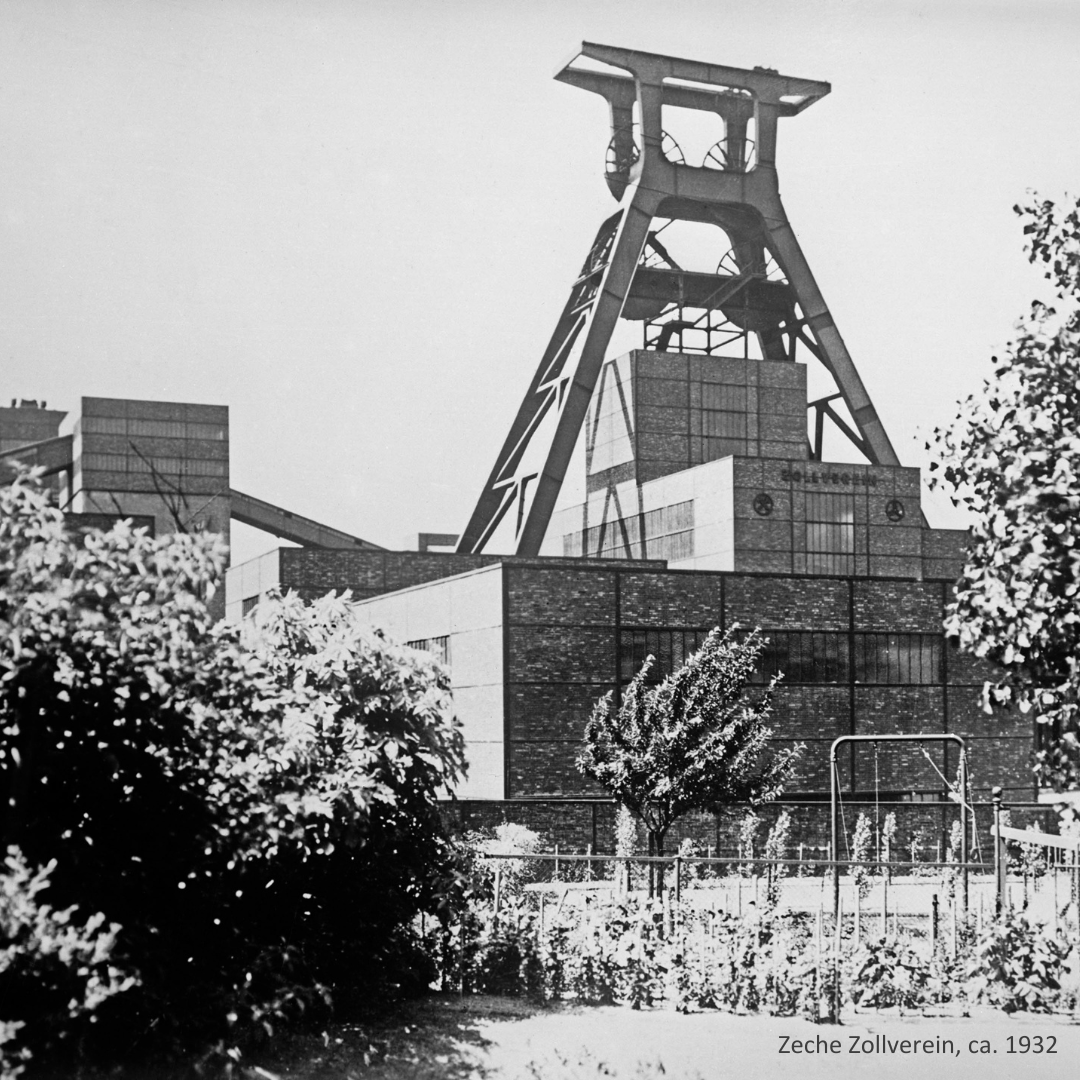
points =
(742, 198)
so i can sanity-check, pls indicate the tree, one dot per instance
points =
(252, 808)
(695, 741)
(1013, 459)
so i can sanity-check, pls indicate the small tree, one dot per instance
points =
(776, 848)
(861, 844)
(748, 827)
(695, 741)
(1013, 459)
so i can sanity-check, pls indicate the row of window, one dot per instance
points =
(162, 429)
(668, 534)
(802, 656)
(169, 466)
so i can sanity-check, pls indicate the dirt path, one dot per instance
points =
(582, 1043)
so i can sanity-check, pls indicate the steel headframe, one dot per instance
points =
(735, 189)
(834, 792)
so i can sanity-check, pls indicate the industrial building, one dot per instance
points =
(710, 499)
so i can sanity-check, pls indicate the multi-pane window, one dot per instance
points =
(669, 648)
(133, 463)
(802, 656)
(161, 429)
(723, 420)
(830, 533)
(892, 659)
(668, 534)
(439, 647)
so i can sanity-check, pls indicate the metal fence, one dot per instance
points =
(925, 899)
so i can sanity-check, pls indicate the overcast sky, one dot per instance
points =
(355, 222)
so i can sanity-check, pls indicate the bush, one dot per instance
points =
(504, 839)
(1018, 965)
(888, 973)
(55, 969)
(254, 807)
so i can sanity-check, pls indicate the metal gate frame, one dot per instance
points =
(834, 792)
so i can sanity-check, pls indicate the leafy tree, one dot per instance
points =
(695, 741)
(253, 808)
(1013, 459)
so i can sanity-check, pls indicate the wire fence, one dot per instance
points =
(924, 898)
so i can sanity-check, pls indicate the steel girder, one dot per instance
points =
(742, 198)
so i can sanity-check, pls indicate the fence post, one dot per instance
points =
(556, 862)
(885, 906)
(934, 918)
(588, 862)
(498, 887)
(1001, 860)
(955, 942)
(678, 878)
(858, 916)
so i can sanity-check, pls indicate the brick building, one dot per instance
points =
(703, 509)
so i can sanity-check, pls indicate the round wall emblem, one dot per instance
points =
(894, 510)
(763, 504)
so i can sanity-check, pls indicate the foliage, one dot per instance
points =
(637, 952)
(776, 847)
(695, 741)
(748, 827)
(233, 799)
(1013, 459)
(888, 838)
(56, 968)
(888, 972)
(860, 853)
(1018, 965)
(648, 953)
(504, 839)
(625, 833)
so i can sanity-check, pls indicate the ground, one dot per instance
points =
(484, 1038)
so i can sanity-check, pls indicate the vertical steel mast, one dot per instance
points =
(629, 273)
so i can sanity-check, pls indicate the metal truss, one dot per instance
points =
(764, 288)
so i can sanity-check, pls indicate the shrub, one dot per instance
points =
(860, 844)
(254, 807)
(776, 847)
(890, 973)
(1017, 965)
(504, 839)
(56, 969)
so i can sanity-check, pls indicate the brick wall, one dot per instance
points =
(563, 631)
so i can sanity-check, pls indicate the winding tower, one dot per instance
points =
(759, 300)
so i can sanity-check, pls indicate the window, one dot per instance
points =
(898, 659)
(669, 647)
(723, 420)
(804, 656)
(439, 647)
(669, 534)
(830, 533)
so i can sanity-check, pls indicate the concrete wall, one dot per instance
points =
(468, 610)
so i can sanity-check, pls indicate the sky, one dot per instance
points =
(355, 223)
